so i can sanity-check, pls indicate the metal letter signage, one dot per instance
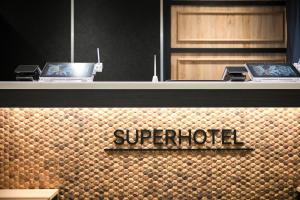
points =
(177, 140)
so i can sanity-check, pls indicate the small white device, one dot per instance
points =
(155, 78)
(297, 65)
(98, 66)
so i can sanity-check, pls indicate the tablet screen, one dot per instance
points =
(68, 70)
(273, 70)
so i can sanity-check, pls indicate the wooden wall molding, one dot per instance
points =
(218, 27)
(211, 66)
(246, 40)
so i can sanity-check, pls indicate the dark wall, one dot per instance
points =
(36, 31)
(33, 32)
(127, 33)
(293, 18)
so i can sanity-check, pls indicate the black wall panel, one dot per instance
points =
(293, 18)
(127, 33)
(33, 32)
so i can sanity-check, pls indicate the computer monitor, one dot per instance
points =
(83, 72)
(272, 72)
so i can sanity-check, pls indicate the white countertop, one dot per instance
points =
(148, 85)
(36, 194)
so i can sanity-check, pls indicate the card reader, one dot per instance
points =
(235, 74)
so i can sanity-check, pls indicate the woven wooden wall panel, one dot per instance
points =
(64, 148)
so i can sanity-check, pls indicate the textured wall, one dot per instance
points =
(64, 148)
(127, 33)
(33, 32)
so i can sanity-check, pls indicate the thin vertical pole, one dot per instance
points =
(72, 31)
(155, 74)
(161, 40)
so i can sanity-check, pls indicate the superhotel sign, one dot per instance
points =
(177, 140)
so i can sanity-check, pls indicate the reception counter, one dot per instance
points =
(146, 94)
(173, 140)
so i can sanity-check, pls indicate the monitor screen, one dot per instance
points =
(68, 70)
(273, 70)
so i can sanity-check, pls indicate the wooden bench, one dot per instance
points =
(24, 194)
